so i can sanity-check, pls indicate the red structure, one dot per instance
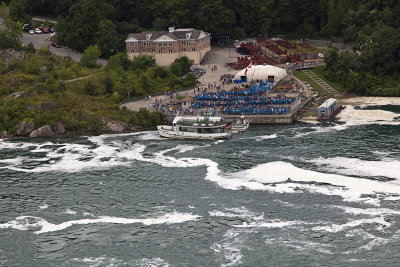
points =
(286, 44)
(272, 47)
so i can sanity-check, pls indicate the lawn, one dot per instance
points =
(302, 76)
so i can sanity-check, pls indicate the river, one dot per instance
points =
(277, 195)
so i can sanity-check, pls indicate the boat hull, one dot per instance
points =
(239, 129)
(168, 132)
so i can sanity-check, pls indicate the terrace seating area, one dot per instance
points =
(272, 47)
(256, 55)
(308, 47)
(294, 58)
(286, 44)
(248, 101)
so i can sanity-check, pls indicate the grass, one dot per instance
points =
(302, 76)
(319, 72)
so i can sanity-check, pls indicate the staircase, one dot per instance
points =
(329, 90)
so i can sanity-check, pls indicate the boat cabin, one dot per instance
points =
(327, 108)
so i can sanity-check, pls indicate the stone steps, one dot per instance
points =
(326, 87)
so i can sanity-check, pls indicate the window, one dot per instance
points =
(160, 51)
(143, 43)
(153, 50)
(132, 51)
(170, 44)
(131, 44)
(183, 42)
(183, 49)
(193, 43)
(165, 44)
(170, 51)
(187, 42)
(159, 44)
(193, 49)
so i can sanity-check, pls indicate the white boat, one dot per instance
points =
(240, 125)
(196, 127)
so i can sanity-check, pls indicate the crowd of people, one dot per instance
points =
(303, 65)
(249, 101)
(253, 100)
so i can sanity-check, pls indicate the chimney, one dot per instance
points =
(171, 29)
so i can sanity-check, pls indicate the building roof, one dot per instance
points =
(261, 72)
(328, 103)
(178, 34)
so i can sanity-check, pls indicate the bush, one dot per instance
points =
(90, 56)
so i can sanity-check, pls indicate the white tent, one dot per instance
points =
(261, 73)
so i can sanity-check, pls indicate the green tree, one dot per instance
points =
(19, 10)
(90, 56)
(107, 38)
(10, 35)
(331, 57)
(4, 11)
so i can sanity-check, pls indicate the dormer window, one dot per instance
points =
(148, 36)
(188, 35)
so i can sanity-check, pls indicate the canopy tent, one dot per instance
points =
(261, 73)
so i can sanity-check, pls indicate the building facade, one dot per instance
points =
(166, 46)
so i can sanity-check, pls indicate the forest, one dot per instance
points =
(370, 27)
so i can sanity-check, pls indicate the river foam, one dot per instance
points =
(32, 223)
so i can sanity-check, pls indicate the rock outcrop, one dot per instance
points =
(18, 94)
(115, 127)
(25, 128)
(6, 134)
(59, 128)
(44, 131)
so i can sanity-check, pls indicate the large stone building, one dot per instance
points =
(166, 46)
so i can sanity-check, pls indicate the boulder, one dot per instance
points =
(115, 126)
(59, 129)
(25, 128)
(6, 134)
(44, 131)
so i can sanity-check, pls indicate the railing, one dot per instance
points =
(143, 97)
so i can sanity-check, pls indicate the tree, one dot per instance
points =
(19, 10)
(107, 38)
(180, 66)
(10, 35)
(90, 56)
(3, 11)
(80, 27)
(331, 56)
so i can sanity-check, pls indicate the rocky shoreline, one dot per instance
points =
(29, 130)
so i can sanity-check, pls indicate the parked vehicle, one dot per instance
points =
(31, 32)
(27, 27)
(52, 29)
(38, 31)
(44, 29)
(198, 71)
(55, 44)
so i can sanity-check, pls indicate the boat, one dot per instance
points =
(240, 125)
(196, 127)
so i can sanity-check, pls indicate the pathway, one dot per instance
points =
(209, 77)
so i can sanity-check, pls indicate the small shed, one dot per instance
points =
(327, 108)
(186, 102)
